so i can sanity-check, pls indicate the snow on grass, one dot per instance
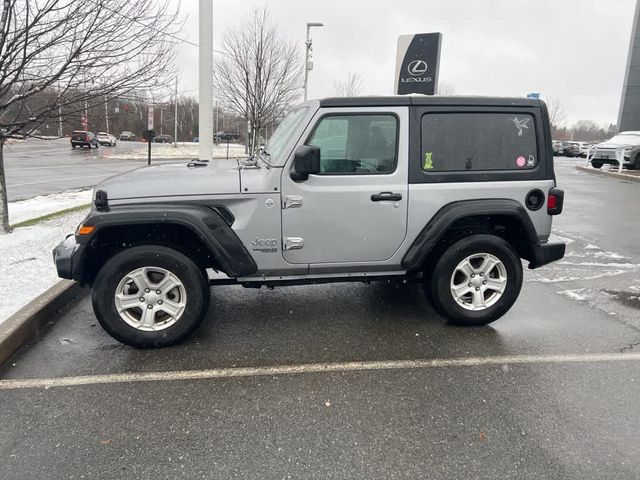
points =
(184, 150)
(46, 204)
(26, 263)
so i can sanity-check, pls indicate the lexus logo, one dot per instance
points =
(417, 67)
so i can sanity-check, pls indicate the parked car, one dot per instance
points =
(82, 138)
(226, 137)
(583, 149)
(127, 136)
(571, 149)
(105, 138)
(606, 152)
(558, 147)
(343, 191)
(163, 139)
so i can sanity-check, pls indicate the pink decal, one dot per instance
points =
(521, 161)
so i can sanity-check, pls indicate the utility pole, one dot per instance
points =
(175, 116)
(106, 112)
(59, 121)
(205, 79)
(308, 65)
(161, 121)
(86, 115)
(217, 129)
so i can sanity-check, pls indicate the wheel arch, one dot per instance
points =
(505, 218)
(200, 232)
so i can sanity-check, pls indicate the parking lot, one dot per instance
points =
(356, 381)
(40, 167)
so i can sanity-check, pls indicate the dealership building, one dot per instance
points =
(629, 115)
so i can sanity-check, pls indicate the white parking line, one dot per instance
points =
(313, 368)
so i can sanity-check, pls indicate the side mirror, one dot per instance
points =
(306, 161)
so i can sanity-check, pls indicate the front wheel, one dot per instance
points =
(596, 164)
(150, 296)
(475, 281)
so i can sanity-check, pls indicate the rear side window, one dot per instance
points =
(453, 142)
(356, 144)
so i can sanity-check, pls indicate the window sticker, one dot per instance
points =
(428, 161)
(531, 162)
(521, 161)
(521, 124)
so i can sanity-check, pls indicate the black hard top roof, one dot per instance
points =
(405, 100)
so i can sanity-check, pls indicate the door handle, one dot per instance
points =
(386, 197)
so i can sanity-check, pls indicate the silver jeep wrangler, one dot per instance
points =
(451, 192)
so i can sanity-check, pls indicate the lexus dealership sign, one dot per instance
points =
(417, 63)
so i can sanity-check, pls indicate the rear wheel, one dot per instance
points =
(475, 281)
(150, 296)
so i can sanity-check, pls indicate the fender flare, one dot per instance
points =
(453, 212)
(206, 222)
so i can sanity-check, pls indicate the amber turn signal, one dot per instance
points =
(86, 229)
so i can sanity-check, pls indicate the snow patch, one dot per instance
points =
(573, 294)
(35, 207)
(26, 262)
(630, 266)
(555, 237)
(612, 273)
(184, 150)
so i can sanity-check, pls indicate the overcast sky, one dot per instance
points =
(575, 50)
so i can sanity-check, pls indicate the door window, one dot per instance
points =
(356, 144)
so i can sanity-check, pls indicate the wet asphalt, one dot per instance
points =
(41, 167)
(533, 420)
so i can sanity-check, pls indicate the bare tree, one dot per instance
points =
(61, 58)
(556, 112)
(260, 77)
(351, 87)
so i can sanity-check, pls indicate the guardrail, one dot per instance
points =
(619, 156)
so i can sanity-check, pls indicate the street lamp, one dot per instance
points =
(307, 63)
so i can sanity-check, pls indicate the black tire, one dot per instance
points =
(438, 289)
(73, 146)
(117, 267)
(596, 164)
(636, 163)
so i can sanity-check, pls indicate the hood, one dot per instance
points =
(614, 145)
(174, 179)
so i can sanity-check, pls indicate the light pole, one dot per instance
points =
(205, 79)
(307, 63)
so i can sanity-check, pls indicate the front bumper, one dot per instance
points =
(545, 253)
(67, 258)
(612, 161)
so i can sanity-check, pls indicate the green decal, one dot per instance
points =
(428, 163)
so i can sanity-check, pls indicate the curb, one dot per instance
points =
(604, 173)
(25, 324)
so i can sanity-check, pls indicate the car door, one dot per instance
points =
(355, 209)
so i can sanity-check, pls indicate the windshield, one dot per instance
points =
(626, 139)
(275, 146)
